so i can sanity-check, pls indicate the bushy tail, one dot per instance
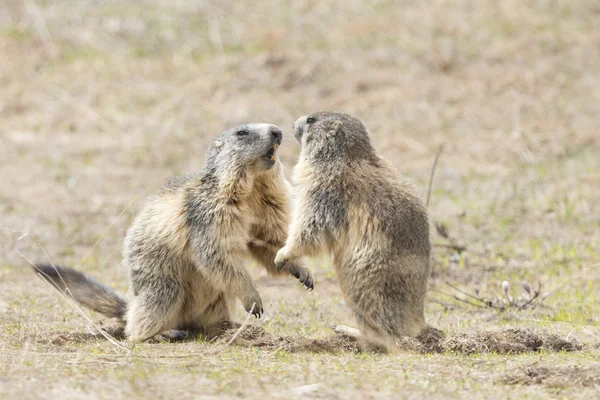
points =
(84, 290)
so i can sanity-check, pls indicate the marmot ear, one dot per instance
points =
(218, 143)
(334, 127)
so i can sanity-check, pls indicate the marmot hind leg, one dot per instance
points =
(368, 337)
(372, 339)
(217, 318)
(153, 312)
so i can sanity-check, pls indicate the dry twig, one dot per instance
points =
(435, 162)
(499, 305)
(241, 328)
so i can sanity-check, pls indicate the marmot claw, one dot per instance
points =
(301, 273)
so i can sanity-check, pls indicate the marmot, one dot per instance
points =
(351, 203)
(185, 251)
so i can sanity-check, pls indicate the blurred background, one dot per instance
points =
(101, 102)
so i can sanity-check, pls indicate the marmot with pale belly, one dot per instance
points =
(186, 250)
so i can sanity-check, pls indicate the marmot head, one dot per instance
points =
(248, 147)
(332, 136)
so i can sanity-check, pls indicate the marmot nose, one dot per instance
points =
(276, 132)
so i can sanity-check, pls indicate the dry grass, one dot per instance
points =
(102, 102)
(556, 377)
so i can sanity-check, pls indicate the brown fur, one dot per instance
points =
(351, 203)
(187, 249)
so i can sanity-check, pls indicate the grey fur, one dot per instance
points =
(350, 202)
(185, 251)
(84, 289)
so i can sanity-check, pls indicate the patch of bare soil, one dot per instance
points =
(555, 377)
(251, 336)
(65, 338)
(335, 344)
(509, 341)
(506, 341)
(254, 336)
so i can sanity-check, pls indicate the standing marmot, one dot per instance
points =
(350, 202)
(186, 250)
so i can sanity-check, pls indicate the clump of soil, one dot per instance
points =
(503, 341)
(555, 377)
(429, 341)
(334, 344)
(254, 336)
(508, 341)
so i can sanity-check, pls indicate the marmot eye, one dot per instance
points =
(310, 120)
(242, 133)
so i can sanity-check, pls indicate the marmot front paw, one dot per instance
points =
(254, 299)
(302, 273)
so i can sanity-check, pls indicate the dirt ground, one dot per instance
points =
(101, 102)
